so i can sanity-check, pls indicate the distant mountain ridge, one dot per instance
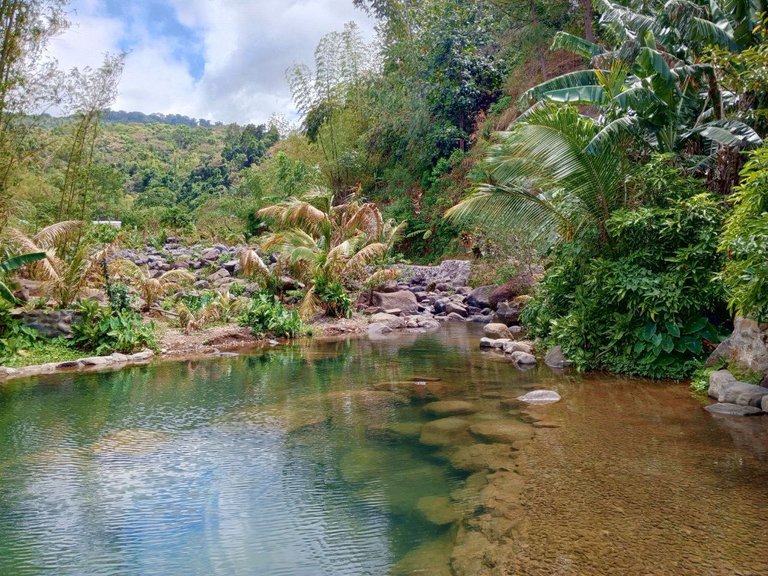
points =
(122, 117)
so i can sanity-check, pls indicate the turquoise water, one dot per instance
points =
(275, 462)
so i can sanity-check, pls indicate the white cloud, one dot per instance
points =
(247, 46)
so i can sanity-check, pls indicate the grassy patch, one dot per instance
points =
(44, 352)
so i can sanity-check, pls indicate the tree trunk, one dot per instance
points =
(588, 15)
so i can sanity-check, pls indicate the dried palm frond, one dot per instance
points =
(364, 257)
(252, 266)
(296, 213)
(381, 276)
(49, 236)
(367, 218)
(310, 305)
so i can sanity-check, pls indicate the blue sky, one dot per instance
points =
(218, 59)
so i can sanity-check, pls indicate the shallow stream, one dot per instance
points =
(313, 459)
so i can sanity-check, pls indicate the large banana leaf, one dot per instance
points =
(570, 80)
(576, 45)
(18, 261)
(589, 95)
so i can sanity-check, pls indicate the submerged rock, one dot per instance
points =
(438, 510)
(733, 409)
(394, 431)
(450, 408)
(501, 431)
(479, 457)
(540, 397)
(428, 559)
(444, 432)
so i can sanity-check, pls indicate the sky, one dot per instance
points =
(222, 60)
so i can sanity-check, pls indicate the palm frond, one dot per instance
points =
(50, 235)
(365, 256)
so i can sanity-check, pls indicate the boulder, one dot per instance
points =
(210, 255)
(378, 329)
(726, 389)
(390, 320)
(556, 359)
(742, 393)
(523, 358)
(218, 275)
(487, 342)
(405, 300)
(540, 397)
(511, 347)
(496, 330)
(717, 381)
(733, 409)
(745, 347)
(507, 313)
(454, 308)
(480, 297)
(517, 286)
(450, 408)
(482, 457)
(454, 317)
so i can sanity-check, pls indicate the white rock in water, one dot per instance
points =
(540, 397)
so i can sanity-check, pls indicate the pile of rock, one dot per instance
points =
(213, 266)
(431, 294)
(736, 398)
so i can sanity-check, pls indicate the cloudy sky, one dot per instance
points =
(222, 60)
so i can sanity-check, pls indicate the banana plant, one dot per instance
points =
(11, 264)
(652, 78)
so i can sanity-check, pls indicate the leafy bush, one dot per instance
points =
(265, 315)
(647, 304)
(745, 241)
(14, 337)
(333, 299)
(118, 296)
(104, 331)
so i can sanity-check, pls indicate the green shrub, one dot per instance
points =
(119, 297)
(745, 241)
(647, 304)
(14, 337)
(104, 331)
(265, 315)
(333, 299)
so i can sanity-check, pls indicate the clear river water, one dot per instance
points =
(313, 459)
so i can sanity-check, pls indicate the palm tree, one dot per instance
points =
(150, 289)
(65, 276)
(326, 242)
(553, 175)
(11, 264)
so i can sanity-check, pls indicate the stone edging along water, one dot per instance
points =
(83, 364)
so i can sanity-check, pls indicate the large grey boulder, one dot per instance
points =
(745, 347)
(556, 359)
(480, 297)
(507, 313)
(404, 300)
(522, 358)
(728, 390)
(391, 321)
